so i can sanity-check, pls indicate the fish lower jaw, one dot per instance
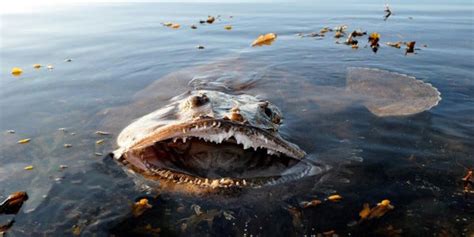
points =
(223, 182)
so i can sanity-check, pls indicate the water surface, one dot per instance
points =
(117, 50)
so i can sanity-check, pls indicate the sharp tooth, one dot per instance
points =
(218, 124)
(214, 123)
(175, 139)
(222, 180)
(186, 179)
(215, 183)
(244, 182)
(237, 183)
(206, 181)
(184, 139)
(184, 130)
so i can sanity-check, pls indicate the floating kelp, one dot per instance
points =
(387, 11)
(228, 27)
(13, 203)
(5, 227)
(358, 33)
(374, 39)
(351, 38)
(140, 207)
(266, 39)
(375, 212)
(335, 198)
(36, 66)
(364, 213)
(24, 141)
(171, 25)
(341, 28)
(338, 34)
(324, 30)
(410, 47)
(210, 19)
(16, 71)
(395, 44)
(468, 184)
(312, 203)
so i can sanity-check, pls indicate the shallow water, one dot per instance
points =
(117, 50)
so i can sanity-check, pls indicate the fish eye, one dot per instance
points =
(268, 112)
(198, 100)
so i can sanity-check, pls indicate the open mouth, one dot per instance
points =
(212, 153)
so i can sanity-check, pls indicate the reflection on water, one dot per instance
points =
(119, 50)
